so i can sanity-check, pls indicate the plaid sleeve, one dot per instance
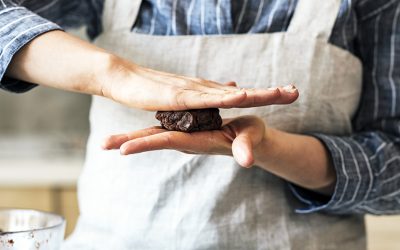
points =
(18, 26)
(367, 161)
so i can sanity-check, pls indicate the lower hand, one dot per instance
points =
(238, 137)
(299, 159)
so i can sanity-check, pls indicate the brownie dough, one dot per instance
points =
(190, 120)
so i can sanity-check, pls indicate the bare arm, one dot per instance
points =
(57, 59)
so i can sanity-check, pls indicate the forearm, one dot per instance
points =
(57, 59)
(300, 159)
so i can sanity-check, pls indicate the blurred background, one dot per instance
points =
(42, 147)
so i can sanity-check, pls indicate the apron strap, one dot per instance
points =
(315, 18)
(120, 14)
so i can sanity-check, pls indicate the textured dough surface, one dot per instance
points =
(190, 120)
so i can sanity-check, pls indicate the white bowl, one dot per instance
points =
(22, 229)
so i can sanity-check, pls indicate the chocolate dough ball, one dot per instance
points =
(190, 120)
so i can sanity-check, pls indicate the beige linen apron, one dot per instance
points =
(169, 200)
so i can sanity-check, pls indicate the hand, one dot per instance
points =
(57, 59)
(299, 159)
(238, 137)
(148, 89)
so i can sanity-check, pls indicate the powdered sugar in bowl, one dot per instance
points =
(22, 229)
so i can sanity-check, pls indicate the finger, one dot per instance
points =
(242, 150)
(169, 140)
(289, 94)
(201, 85)
(229, 86)
(115, 141)
(257, 97)
(242, 98)
(186, 83)
(262, 97)
(206, 142)
(190, 99)
(220, 89)
(212, 87)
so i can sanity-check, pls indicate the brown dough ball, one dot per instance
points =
(190, 120)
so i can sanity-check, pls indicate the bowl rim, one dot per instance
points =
(62, 222)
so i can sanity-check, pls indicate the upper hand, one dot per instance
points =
(238, 137)
(148, 89)
(57, 59)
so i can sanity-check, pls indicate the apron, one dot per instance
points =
(170, 200)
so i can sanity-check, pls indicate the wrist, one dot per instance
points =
(300, 159)
(113, 73)
(106, 73)
(266, 151)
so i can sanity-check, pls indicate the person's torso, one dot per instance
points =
(170, 200)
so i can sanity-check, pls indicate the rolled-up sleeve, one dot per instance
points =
(18, 26)
(367, 163)
(21, 23)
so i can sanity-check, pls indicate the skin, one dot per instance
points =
(59, 60)
(300, 159)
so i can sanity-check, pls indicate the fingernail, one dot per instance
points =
(104, 146)
(272, 89)
(290, 88)
(122, 151)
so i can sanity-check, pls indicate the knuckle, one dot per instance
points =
(168, 140)
(205, 99)
(146, 143)
(179, 99)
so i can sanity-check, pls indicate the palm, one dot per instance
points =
(237, 137)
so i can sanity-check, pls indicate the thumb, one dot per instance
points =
(242, 150)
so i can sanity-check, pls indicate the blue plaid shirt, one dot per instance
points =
(367, 162)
